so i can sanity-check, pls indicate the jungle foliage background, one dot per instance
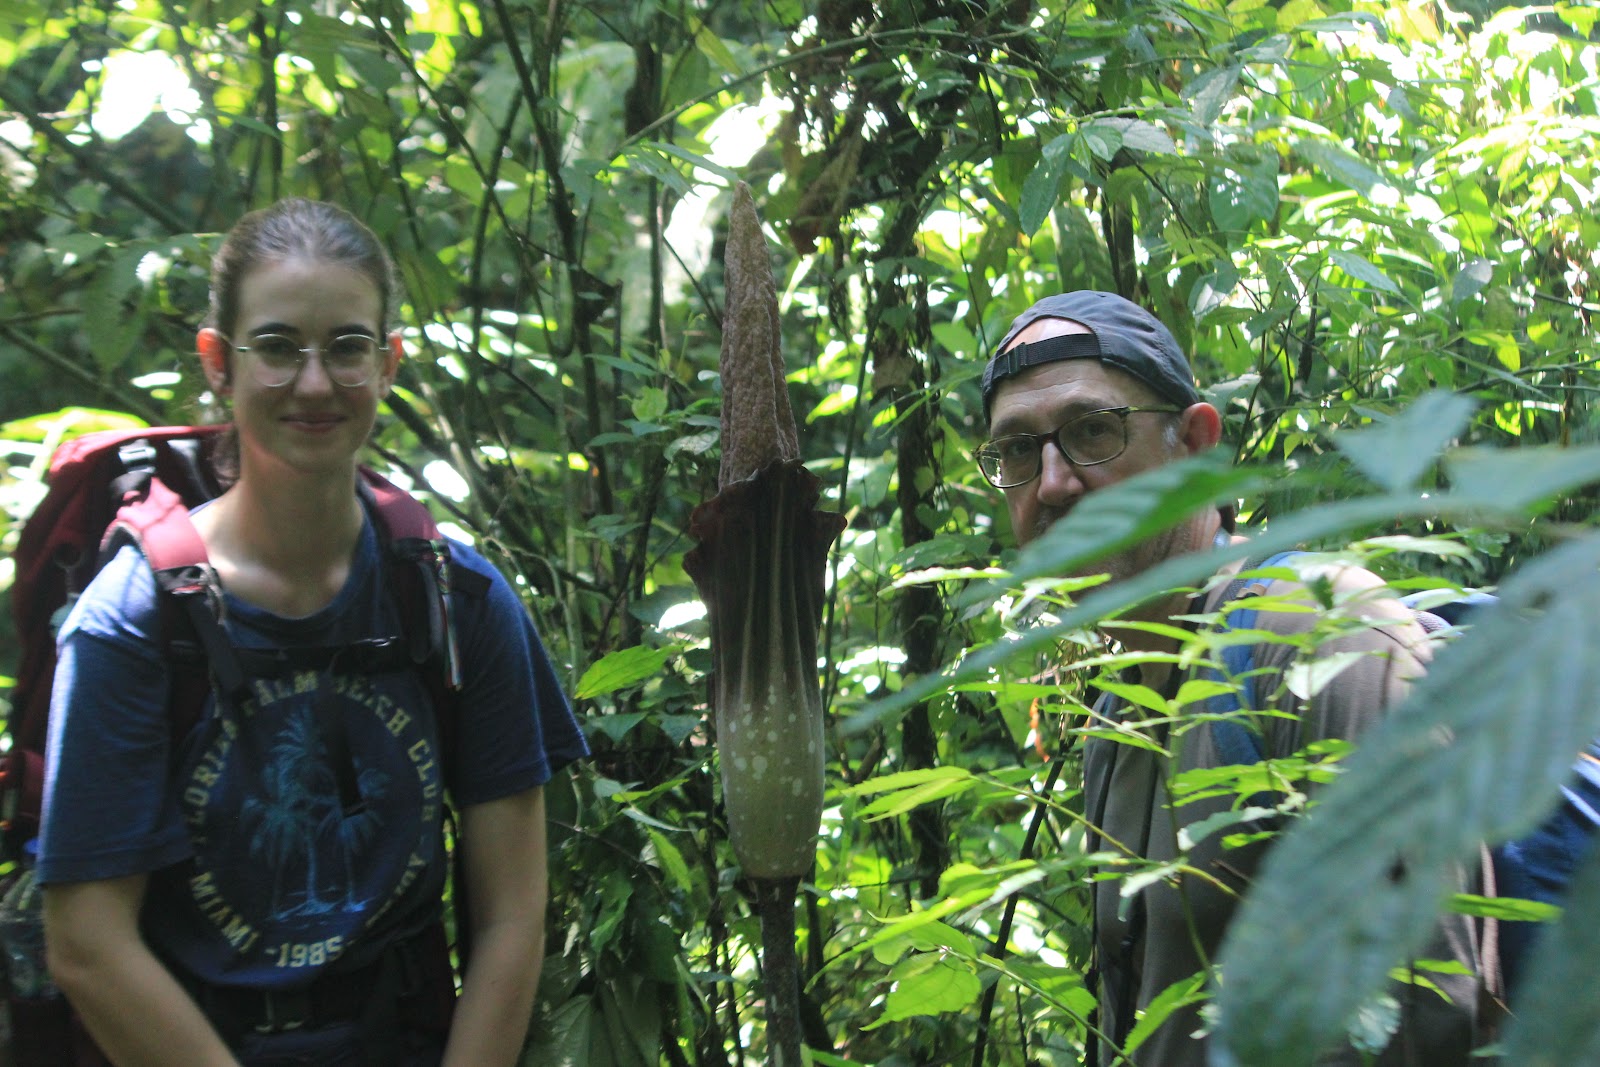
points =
(1337, 207)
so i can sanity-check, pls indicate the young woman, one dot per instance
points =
(268, 889)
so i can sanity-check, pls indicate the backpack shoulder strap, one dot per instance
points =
(1236, 743)
(158, 524)
(420, 559)
(190, 596)
(423, 576)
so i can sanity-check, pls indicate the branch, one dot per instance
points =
(137, 407)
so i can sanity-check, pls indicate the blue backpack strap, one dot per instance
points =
(1237, 743)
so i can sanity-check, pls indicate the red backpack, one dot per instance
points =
(118, 486)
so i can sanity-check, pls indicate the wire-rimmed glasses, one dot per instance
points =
(1085, 440)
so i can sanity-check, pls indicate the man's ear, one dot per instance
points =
(213, 349)
(1199, 428)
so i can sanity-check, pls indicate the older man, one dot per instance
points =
(1086, 390)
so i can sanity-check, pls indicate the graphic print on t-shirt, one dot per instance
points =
(305, 842)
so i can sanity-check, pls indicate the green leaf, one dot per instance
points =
(884, 783)
(1340, 165)
(1517, 479)
(644, 158)
(1244, 193)
(694, 159)
(921, 989)
(1122, 734)
(1209, 90)
(1471, 280)
(625, 667)
(1395, 454)
(377, 71)
(1493, 484)
(1213, 290)
(716, 49)
(1103, 141)
(567, 1037)
(631, 1021)
(695, 444)
(1345, 22)
(1580, 16)
(1198, 690)
(828, 1059)
(903, 800)
(1041, 188)
(612, 908)
(1132, 133)
(1363, 269)
(1196, 832)
(649, 404)
(616, 727)
(670, 860)
(1307, 678)
(1509, 909)
(1179, 994)
(1477, 753)
(1141, 695)
(928, 937)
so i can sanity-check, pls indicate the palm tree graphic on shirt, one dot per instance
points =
(296, 809)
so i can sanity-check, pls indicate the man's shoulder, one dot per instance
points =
(1296, 592)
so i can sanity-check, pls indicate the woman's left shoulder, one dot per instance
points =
(478, 587)
(466, 561)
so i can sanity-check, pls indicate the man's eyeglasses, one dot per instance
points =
(350, 360)
(1091, 438)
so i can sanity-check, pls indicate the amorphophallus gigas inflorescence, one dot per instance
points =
(759, 567)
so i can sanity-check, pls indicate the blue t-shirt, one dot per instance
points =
(261, 875)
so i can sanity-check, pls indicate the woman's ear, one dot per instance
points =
(214, 361)
(393, 353)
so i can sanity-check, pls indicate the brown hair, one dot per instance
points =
(309, 229)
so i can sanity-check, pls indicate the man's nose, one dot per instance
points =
(1060, 481)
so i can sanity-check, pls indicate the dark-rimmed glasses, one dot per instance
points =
(350, 360)
(1085, 440)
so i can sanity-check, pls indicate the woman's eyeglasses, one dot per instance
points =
(350, 360)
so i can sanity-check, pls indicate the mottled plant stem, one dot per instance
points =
(780, 968)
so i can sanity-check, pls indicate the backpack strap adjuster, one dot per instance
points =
(136, 455)
(198, 591)
(432, 561)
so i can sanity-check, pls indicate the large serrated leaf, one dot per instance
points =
(1394, 454)
(1517, 479)
(1477, 753)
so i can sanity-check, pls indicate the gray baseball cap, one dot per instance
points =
(1121, 334)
